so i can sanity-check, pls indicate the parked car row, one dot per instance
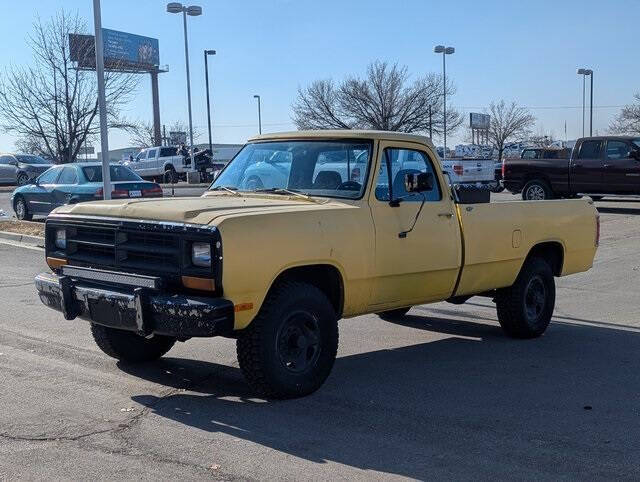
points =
(20, 169)
(596, 166)
(74, 183)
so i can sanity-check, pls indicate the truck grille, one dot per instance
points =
(157, 249)
(124, 249)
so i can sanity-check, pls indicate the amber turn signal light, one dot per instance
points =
(56, 263)
(202, 284)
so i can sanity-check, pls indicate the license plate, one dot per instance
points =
(135, 193)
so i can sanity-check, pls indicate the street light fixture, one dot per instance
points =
(206, 77)
(259, 114)
(193, 11)
(584, 73)
(441, 49)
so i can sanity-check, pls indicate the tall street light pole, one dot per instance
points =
(206, 77)
(441, 49)
(584, 73)
(102, 103)
(193, 11)
(259, 114)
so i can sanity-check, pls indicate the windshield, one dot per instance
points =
(317, 168)
(28, 159)
(118, 173)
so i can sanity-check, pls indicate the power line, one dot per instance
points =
(551, 107)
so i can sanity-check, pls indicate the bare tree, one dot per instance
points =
(51, 103)
(508, 122)
(628, 120)
(384, 99)
(142, 132)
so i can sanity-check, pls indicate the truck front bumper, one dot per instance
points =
(138, 309)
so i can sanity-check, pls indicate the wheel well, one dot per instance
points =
(325, 277)
(169, 167)
(552, 252)
(535, 176)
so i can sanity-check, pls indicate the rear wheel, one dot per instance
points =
(537, 190)
(393, 315)
(525, 309)
(20, 207)
(289, 349)
(22, 179)
(170, 176)
(128, 346)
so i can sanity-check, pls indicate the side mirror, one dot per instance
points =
(418, 182)
(13, 163)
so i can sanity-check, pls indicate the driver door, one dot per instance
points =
(422, 265)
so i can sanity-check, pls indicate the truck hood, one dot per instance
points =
(208, 209)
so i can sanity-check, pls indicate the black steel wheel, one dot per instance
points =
(525, 309)
(289, 348)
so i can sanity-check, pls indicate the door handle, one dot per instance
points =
(607, 166)
(445, 215)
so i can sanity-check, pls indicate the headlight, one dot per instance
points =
(61, 238)
(201, 255)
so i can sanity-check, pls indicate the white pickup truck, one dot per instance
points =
(479, 172)
(159, 164)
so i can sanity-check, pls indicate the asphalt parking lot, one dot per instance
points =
(443, 394)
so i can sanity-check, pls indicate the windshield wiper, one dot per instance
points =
(291, 192)
(232, 190)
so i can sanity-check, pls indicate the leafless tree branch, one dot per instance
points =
(384, 99)
(51, 105)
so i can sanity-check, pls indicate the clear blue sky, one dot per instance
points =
(524, 51)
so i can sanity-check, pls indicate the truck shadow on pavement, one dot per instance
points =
(473, 404)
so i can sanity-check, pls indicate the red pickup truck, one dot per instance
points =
(598, 166)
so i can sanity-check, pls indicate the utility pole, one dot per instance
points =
(102, 104)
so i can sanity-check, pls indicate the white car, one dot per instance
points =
(159, 163)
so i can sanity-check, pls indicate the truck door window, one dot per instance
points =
(617, 150)
(401, 163)
(590, 150)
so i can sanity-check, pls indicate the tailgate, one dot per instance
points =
(469, 170)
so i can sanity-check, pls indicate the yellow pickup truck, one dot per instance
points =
(299, 230)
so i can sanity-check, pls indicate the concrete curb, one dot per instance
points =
(22, 238)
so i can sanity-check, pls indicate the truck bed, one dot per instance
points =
(498, 236)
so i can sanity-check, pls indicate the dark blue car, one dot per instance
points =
(74, 183)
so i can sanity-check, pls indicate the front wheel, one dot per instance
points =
(22, 212)
(537, 190)
(525, 308)
(128, 346)
(289, 349)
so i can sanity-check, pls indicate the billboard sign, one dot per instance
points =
(130, 49)
(479, 121)
(122, 51)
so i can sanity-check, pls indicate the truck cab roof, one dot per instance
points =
(345, 134)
